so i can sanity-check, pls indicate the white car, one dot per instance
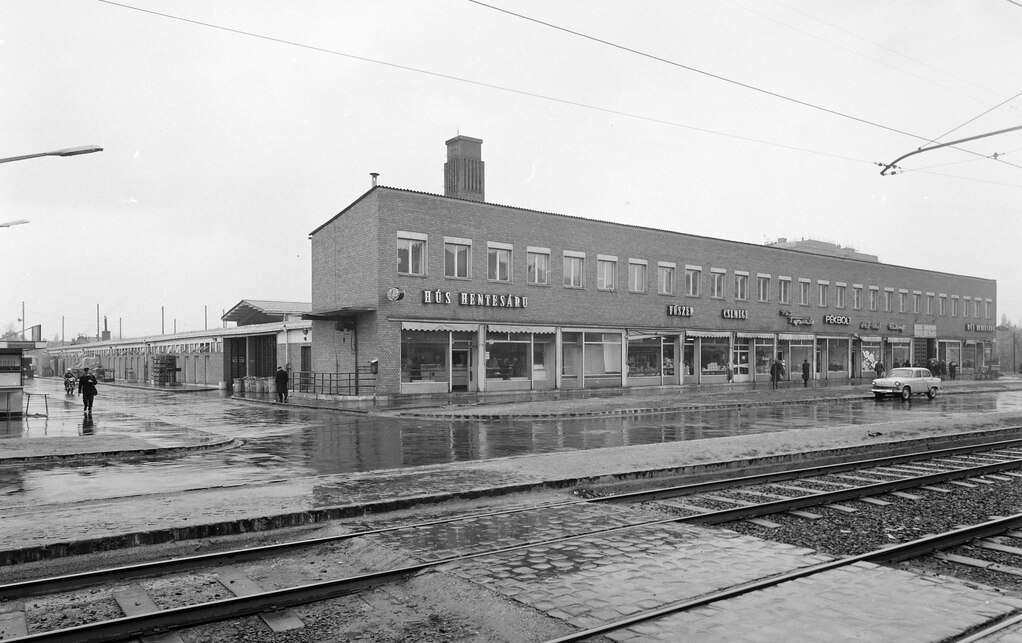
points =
(907, 382)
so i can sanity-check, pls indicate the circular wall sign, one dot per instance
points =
(394, 294)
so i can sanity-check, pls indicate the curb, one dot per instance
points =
(225, 443)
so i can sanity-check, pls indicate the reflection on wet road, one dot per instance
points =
(280, 442)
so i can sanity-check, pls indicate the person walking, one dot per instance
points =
(952, 369)
(776, 372)
(805, 373)
(280, 378)
(87, 389)
(879, 369)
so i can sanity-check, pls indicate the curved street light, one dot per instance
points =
(7, 224)
(68, 151)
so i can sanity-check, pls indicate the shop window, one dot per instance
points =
(764, 288)
(507, 355)
(606, 273)
(573, 265)
(636, 276)
(692, 278)
(498, 262)
(784, 291)
(650, 356)
(538, 267)
(457, 259)
(411, 255)
(717, 284)
(424, 356)
(741, 286)
(594, 355)
(837, 355)
(713, 355)
(763, 355)
(665, 280)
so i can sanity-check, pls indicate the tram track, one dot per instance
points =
(915, 469)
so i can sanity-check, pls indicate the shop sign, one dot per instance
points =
(980, 327)
(925, 330)
(869, 325)
(898, 327)
(735, 313)
(836, 319)
(796, 321)
(488, 300)
(674, 310)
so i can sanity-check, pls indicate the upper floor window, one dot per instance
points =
(975, 308)
(636, 275)
(764, 287)
(888, 294)
(824, 293)
(857, 297)
(457, 258)
(574, 262)
(803, 291)
(411, 254)
(902, 296)
(874, 298)
(665, 278)
(986, 309)
(717, 283)
(498, 261)
(784, 290)
(929, 303)
(538, 260)
(741, 286)
(693, 276)
(942, 305)
(839, 296)
(916, 300)
(954, 306)
(606, 272)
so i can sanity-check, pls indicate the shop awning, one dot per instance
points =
(899, 340)
(454, 326)
(755, 335)
(646, 333)
(871, 339)
(539, 330)
(707, 334)
(795, 337)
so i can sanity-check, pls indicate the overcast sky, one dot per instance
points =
(225, 145)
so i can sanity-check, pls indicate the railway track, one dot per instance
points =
(742, 499)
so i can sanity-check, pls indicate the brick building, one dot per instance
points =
(451, 293)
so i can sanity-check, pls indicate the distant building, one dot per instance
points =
(448, 293)
(822, 248)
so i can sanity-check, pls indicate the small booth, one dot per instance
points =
(11, 382)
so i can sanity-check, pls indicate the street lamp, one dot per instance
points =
(69, 151)
(7, 224)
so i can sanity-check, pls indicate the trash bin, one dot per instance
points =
(239, 385)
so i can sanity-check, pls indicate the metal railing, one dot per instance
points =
(361, 383)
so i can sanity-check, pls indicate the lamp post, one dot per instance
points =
(68, 151)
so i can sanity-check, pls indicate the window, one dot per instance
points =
(693, 275)
(717, 283)
(824, 293)
(874, 298)
(954, 306)
(665, 278)
(457, 258)
(888, 294)
(636, 275)
(411, 254)
(916, 299)
(498, 261)
(538, 260)
(839, 296)
(975, 308)
(764, 287)
(573, 264)
(606, 272)
(929, 303)
(902, 297)
(784, 290)
(942, 301)
(986, 309)
(741, 286)
(857, 297)
(803, 291)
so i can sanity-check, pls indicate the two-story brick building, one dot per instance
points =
(450, 293)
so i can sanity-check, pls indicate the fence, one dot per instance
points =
(361, 383)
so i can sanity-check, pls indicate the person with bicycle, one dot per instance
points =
(69, 383)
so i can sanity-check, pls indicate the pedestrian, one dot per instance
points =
(879, 368)
(942, 367)
(952, 369)
(280, 378)
(730, 372)
(907, 364)
(805, 373)
(87, 389)
(776, 371)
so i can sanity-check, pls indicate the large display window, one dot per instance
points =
(713, 355)
(837, 356)
(763, 357)
(424, 356)
(651, 360)
(508, 355)
(591, 360)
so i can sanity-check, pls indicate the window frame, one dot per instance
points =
(741, 286)
(606, 282)
(693, 281)
(635, 284)
(763, 286)
(665, 269)
(531, 269)
(414, 239)
(572, 258)
(718, 283)
(456, 242)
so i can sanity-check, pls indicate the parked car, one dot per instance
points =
(907, 382)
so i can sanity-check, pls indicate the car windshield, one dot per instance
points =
(900, 372)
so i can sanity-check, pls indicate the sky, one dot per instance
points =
(233, 128)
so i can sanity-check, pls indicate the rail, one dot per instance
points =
(362, 382)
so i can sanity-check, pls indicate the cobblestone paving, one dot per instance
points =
(862, 602)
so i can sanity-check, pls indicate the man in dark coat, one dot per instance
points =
(280, 379)
(87, 389)
(776, 372)
(805, 373)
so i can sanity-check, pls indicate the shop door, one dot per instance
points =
(461, 369)
(797, 355)
(740, 362)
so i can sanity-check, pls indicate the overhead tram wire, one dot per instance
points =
(717, 76)
(486, 85)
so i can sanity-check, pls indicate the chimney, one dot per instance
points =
(464, 171)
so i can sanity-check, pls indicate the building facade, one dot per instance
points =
(450, 293)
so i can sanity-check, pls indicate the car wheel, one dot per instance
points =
(906, 393)
(932, 393)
